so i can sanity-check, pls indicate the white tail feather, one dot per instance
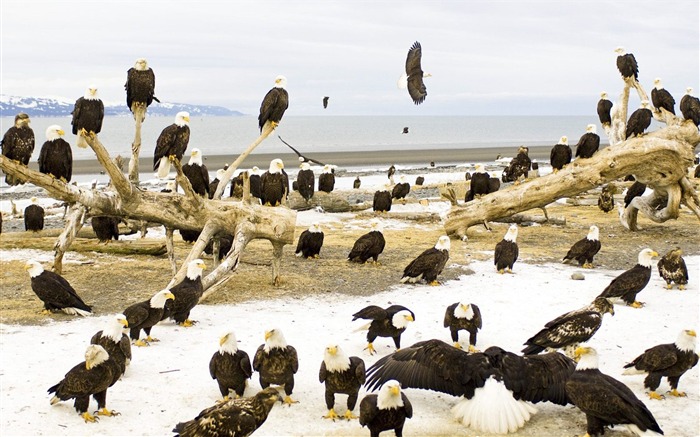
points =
(402, 83)
(164, 167)
(81, 142)
(76, 312)
(364, 327)
(634, 429)
(633, 371)
(55, 400)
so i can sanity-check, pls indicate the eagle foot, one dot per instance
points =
(655, 395)
(678, 394)
(150, 339)
(370, 349)
(434, 283)
(289, 401)
(669, 286)
(223, 400)
(500, 272)
(587, 266)
(331, 415)
(188, 323)
(349, 416)
(141, 343)
(89, 417)
(105, 412)
(457, 345)
(62, 179)
(472, 349)
(681, 287)
(636, 304)
(45, 312)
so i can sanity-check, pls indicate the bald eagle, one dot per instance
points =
(274, 104)
(144, 315)
(585, 249)
(274, 184)
(672, 268)
(197, 173)
(463, 316)
(116, 343)
(306, 181)
(255, 183)
(230, 367)
(277, 362)
(626, 285)
(413, 78)
(225, 244)
(213, 185)
(55, 291)
(325, 102)
(606, 201)
(589, 143)
(496, 384)
(18, 144)
(236, 417)
(369, 245)
(189, 236)
(389, 322)
(420, 180)
(506, 252)
(33, 217)
(310, 242)
(690, 106)
(105, 228)
(604, 400)
(56, 156)
(669, 360)
(172, 141)
(429, 264)
(518, 167)
(385, 411)
(341, 374)
(479, 184)
(568, 330)
(92, 377)
(187, 294)
(382, 199)
(401, 189)
(88, 113)
(639, 121)
(661, 98)
(356, 183)
(390, 173)
(560, 155)
(635, 190)
(302, 158)
(140, 86)
(326, 181)
(627, 64)
(604, 108)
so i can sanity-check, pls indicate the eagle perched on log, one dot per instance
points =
(18, 144)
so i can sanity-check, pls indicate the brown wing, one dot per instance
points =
(416, 87)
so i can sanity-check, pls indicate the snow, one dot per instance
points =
(169, 382)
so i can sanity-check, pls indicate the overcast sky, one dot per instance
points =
(486, 58)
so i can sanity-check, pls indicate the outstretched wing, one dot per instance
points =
(416, 87)
(372, 312)
(299, 154)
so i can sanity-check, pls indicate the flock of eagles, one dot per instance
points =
(553, 366)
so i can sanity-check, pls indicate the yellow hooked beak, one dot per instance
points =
(223, 340)
(654, 253)
(169, 296)
(61, 132)
(124, 322)
(691, 333)
(394, 390)
(332, 350)
(268, 334)
(409, 318)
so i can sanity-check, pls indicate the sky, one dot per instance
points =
(486, 58)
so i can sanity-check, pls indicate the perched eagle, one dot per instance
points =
(560, 155)
(479, 184)
(235, 418)
(413, 77)
(197, 173)
(669, 360)
(506, 252)
(635, 190)
(341, 374)
(326, 180)
(420, 180)
(140, 86)
(172, 142)
(390, 173)
(33, 217)
(116, 343)
(356, 183)
(310, 242)
(661, 98)
(255, 182)
(690, 107)
(274, 184)
(627, 64)
(382, 199)
(604, 108)
(213, 185)
(225, 244)
(630, 282)
(18, 144)
(106, 228)
(401, 189)
(274, 104)
(672, 268)
(187, 294)
(189, 236)
(325, 102)
(496, 385)
(230, 367)
(55, 291)
(88, 113)
(386, 411)
(389, 322)
(56, 156)
(606, 201)
(518, 167)
(429, 264)
(569, 330)
(585, 249)
(463, 316)
(369, 245)
(604, 400)
(236, 190)
(589, 143)
(639, 121)
(144, 315)
(277, 362)
(92, 377)
(306, 181)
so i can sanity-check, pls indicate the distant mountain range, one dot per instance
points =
(60, 107)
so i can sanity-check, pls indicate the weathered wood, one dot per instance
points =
(75, 221)
(139, 115)
(170, 246)
(330, 202)
(83, 232)
(529, 218)
(15, 240)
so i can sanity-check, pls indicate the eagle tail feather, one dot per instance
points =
(73, 311)
(402, 83)
(364, 327)
(164, 167)
(631, 370)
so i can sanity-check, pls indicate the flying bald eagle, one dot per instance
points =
(389, 322)
(569, 330)
(326, 181)
(172, 141)
(589, 143)
(144, 315)
(325, 102)
(92, 377)
(274, 184)
(518, 167)
(88, 113)
(230, 367)
(606, 401)
(382, 199)
(236, 417)
(140, 86)
(661, 98)
(385, 411)
(429, 264)
(463, 316)
(341, 374)
(585, 249)
(105, 228)
(116, 343)
(187, 294)
(56, 156)
(639, 121)
(506, 252)
(18, 144)
(277, 362)
(33, 217)
(401, 189)
(302, 158)
(666, 360)
(626, 285)
(413, 78)
(635, 190)
(627, 64)
(479, 184)
(306, 181)
(274, 104)
(310, 242)
(55, 291)
(197, 173)
(690, 106)
(672, 268)
(496, 385)
(604, 107)
(369, 245)
(560, 155)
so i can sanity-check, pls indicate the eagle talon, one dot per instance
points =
(289, 401)
(141, 343)
(349, 416)
(637, 304)
(434, 283)
(655, 395)
(473, 349)
(669, 286)
(188, 323)
(370, 349)
(89, 417)
(681, 287)
(678, 394)
(457, 345)
(331, 415)
(106, 412)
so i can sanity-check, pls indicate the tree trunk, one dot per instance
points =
(139, 115)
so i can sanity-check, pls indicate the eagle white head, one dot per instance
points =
(689, 91)
(327, 168)
(95, 355)
(220, 173)
(591, 128)
(512, 233)
(115, 326)
(390, 395)
(305, 166)
(645, 256)
(170, 185)
(182, 118)
(276, 166)
(620, 51)
(54, 132)
(592, 233)
(33, 200)
(376, 226)
(34, 268)
(645, 104)
(196, 157)
(564, 140)
(228, 344)
(479, 168)
(255, 170)
(686, 340)
(443, 243)
(315, 227)
(604, 95)
(274, 339)
(91, 93)
(464, 311)
(280, 82)
(401, 319)
(335, 358)
(141, 64)
(586, 357)
(158, 300)
(195, 268)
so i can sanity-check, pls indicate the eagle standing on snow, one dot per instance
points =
(144, 315)
(589, 143)
(18, 144)
(116, 343)
(413, 77)
(55, 291)
(187, 294)
(639, 121)
(197, 173)
(34, 217)
(275, 102)
(140, 86)
(672, 268)
(518, 167)
(585, 249)
(230, 367)
(429, 264)
(56, 156)
(382, 199)
(341, 374)
(88, 113)
(629, 283)
(306, 181)
(401, 189)
(387, 410)
(369, 245)
(310, 242)
(463, 316)
(274, 184)
(506, 252)
(560, 155)
(172, 142)
(389, 322)
(277, 362)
